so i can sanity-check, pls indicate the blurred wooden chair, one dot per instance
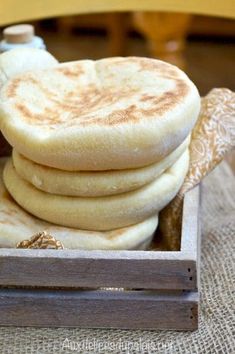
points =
(115, 24)
(165, 32)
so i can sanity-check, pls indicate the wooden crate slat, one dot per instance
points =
(99, 309)
(128, 269)
(98, 272)
(190, 224)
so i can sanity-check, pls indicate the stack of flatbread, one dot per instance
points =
(99, 146)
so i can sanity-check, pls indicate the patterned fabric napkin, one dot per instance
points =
(212, 137)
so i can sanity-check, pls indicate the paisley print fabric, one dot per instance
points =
(212, 137)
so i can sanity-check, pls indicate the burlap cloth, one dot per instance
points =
(217, 319)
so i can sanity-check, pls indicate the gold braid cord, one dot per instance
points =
(41, 240)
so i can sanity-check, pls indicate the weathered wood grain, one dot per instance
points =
(87, 269)
(190, 222)
(199, 236)
(99, 309)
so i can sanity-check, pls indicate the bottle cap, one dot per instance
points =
(19, 33)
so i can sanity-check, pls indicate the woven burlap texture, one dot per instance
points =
(217, 319)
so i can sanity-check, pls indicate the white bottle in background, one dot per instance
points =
(20, 36)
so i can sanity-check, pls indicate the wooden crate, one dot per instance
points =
(161, 287)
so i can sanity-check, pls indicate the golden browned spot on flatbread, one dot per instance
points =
(116, 233)
(116, 117)
(40, 118)
(81, 106)
(147, 65)
(123, 115)
(147, 97)
(25, 111)
(167, 100)
(75, 71)
(150, 65)
(11, 90)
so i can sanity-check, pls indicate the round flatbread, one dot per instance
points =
(101, 213)
(95, 183)
(20, 60)
(17, 225)
(114, 113)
